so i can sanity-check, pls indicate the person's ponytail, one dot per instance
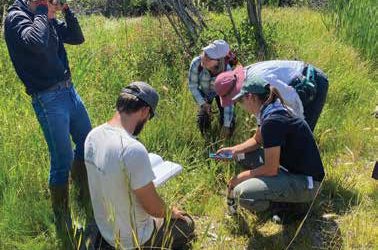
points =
(272, 96)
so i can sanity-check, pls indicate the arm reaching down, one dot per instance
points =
(270, 167)
(249, 145)
(153, 204)
(150, 200)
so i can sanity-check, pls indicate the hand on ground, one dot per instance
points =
(178, 214)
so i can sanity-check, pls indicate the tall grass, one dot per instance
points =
(356, 21)
(118, 51)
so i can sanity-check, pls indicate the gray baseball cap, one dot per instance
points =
(144, 92)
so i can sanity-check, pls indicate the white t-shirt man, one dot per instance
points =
(280, 73)
(117, 164)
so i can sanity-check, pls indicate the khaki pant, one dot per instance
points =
(256, 194)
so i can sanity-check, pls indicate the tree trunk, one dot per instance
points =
(236, 32)
(5, 7)
(254, 15)
(190, 22)
(197, 14)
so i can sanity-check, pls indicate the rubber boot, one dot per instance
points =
(62, 214)
(80, 180)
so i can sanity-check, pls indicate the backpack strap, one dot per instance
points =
(310, 76)
(305, 85)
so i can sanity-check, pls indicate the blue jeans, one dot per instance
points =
(313, 109)
(61, 113)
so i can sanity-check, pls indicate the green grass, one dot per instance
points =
(355, 21)
(117, 52)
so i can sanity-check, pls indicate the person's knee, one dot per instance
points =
(251, 199)
(186, 226)
(183, 232)
(79, 141)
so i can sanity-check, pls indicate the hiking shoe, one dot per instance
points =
(232, 206)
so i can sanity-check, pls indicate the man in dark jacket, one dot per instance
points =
(35, 40)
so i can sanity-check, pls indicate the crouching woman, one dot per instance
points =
(292, 170)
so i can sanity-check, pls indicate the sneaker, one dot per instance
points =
(231, 206)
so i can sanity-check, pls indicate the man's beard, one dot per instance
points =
(139, 127)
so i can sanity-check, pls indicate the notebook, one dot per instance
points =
(163, 170)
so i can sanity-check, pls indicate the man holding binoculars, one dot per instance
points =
(35, 40)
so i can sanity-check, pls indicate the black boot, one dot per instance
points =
(62, 214)
(80, 180)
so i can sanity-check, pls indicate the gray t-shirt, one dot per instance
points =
(117, 164)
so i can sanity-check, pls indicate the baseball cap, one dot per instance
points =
(217, 49)
(144, 92)
(253, 85)
(228, 84)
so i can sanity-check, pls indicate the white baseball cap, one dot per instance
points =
(217, 49)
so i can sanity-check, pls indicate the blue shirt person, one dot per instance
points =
(35, 41)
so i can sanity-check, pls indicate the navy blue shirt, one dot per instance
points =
(299, 152)
(35, 45)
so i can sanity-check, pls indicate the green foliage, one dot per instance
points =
(217, 5)
(286, 3)
(115, 7)
(3, 6)
(221, 28)
(356, 22)
(5, 3)
(118, 51)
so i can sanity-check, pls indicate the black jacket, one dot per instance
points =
(35, 45)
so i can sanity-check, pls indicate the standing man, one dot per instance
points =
(35, 40)
(128, 210)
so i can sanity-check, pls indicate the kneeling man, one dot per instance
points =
(128, 210)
